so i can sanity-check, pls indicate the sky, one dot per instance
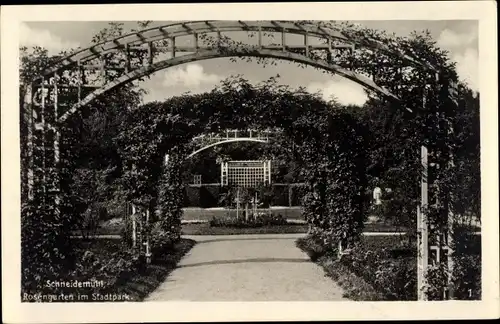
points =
(458, 37)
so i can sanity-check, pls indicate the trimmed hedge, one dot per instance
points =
(192, 196)
(207, 195)
(280, 194)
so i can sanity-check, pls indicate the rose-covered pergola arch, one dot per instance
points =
(94, 57)
(79, 78)
(311, 130)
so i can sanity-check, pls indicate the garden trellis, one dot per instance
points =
(64, 88)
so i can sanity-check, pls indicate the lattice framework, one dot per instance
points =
(247, 174)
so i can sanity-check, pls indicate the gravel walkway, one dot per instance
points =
(266, 267)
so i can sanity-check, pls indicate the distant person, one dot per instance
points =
(377, 195)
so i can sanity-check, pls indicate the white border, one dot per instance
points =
(15, 311)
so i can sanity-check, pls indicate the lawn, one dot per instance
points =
(195, 219)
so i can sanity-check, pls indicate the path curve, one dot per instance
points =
(262, 267)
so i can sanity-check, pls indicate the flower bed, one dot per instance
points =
(393, 277)
(113, 269)
(388, 265)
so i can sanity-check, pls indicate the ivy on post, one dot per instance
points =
(170, 194)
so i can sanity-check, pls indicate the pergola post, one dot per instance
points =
(422, 227)
(134, 227)
(422, 218)
(148, 250)
(237, 202)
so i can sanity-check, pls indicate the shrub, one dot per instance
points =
(209, 195)
(106, 260)
(466, 277)
(395, 279)
(113, 269)
(436, 278)
(160, 240)
(355, 288)
(313, 246)
(370, 260)
(126, 232)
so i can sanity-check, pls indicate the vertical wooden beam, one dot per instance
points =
(422, 221)
(259, 36)
(306, 43)
(196, 43)
(57, 138)
(172, 49)
(103, 70)
(150, 53)
(422, 227)
(255, 206)
(264, 175)
(238, 203)
(451, 216)
(283, 39)
(353, 49)
(449, 245)
(222, 174)
(148, 250)
(127, 58)
(219, 39)
(43, 131)
(80, 80)
(329, 51)
(134, 227)
(269, 171)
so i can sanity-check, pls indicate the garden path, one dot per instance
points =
(263, 267)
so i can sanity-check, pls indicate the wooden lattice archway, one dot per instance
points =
(77, 79)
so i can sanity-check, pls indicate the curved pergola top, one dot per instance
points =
(210, 26)
(146, 70)
(227, 141)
